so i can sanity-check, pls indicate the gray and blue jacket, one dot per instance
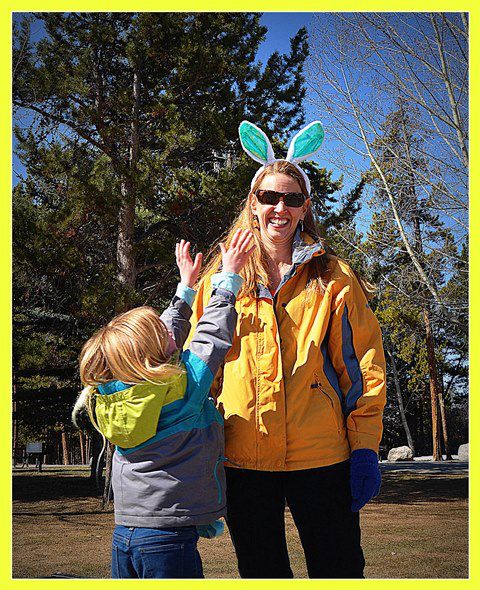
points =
(169, 471)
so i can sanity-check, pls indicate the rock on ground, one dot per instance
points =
(463, 452)
(400, 454)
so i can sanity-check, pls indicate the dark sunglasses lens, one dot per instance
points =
(268, 197)
(294, 199)
(272, 198)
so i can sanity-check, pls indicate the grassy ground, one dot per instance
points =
(416, 528)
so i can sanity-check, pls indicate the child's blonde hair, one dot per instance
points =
(133, 348)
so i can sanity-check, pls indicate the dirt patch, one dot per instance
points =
(416, 528)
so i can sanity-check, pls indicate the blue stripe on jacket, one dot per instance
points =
(351, 363)
(330, 371)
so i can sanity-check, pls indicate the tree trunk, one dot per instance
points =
(14, 423)
(87, 448)
(65, 448)
(400, 401)
(81, 440)
(107, 490)
(126, 233)
(96, 470)
(434, 387)
(126, 218)
(443, 418)
(421, 405)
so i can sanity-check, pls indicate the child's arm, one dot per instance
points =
(214, 333)
(177, 316)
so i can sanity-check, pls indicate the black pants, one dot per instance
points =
(319, 500)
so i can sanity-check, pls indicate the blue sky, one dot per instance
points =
(281, 27)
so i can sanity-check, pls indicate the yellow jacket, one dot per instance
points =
(304, 382)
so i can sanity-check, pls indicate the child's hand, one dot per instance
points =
(188, 269)
(234, 259)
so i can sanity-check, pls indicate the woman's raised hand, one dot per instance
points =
(188, 268)
(235, 258)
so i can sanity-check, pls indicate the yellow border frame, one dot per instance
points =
(6, 10)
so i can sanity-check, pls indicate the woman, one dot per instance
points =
(303, 387)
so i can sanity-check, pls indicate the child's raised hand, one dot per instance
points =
(188, 268)
(234, 259)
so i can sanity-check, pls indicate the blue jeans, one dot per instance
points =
(155, 553)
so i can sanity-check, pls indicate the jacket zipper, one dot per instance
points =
(318, 385)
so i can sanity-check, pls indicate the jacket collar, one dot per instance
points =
(304, 248)
(112, 387)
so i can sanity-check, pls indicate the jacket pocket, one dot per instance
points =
(334, 405)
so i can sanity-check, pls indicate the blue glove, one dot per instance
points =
(365, 478)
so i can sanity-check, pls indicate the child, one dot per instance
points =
(168, 473)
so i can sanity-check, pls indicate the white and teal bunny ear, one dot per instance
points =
(306, 142)
(255, 143)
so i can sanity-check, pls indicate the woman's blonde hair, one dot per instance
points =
(133, 347)
(256, 267)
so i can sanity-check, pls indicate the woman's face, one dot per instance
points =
(278, 222)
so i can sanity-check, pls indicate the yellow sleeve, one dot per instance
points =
(356, 351)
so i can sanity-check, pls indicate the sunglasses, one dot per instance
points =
(273, 198)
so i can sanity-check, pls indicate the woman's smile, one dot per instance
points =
(278, 222)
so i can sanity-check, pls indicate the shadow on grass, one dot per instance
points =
(52, 486)
(61, 514)
(398, 487)
(414, 488)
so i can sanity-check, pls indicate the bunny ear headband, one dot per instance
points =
(304, 144)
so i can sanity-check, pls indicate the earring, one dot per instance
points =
(256, 225)
(300, 225)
